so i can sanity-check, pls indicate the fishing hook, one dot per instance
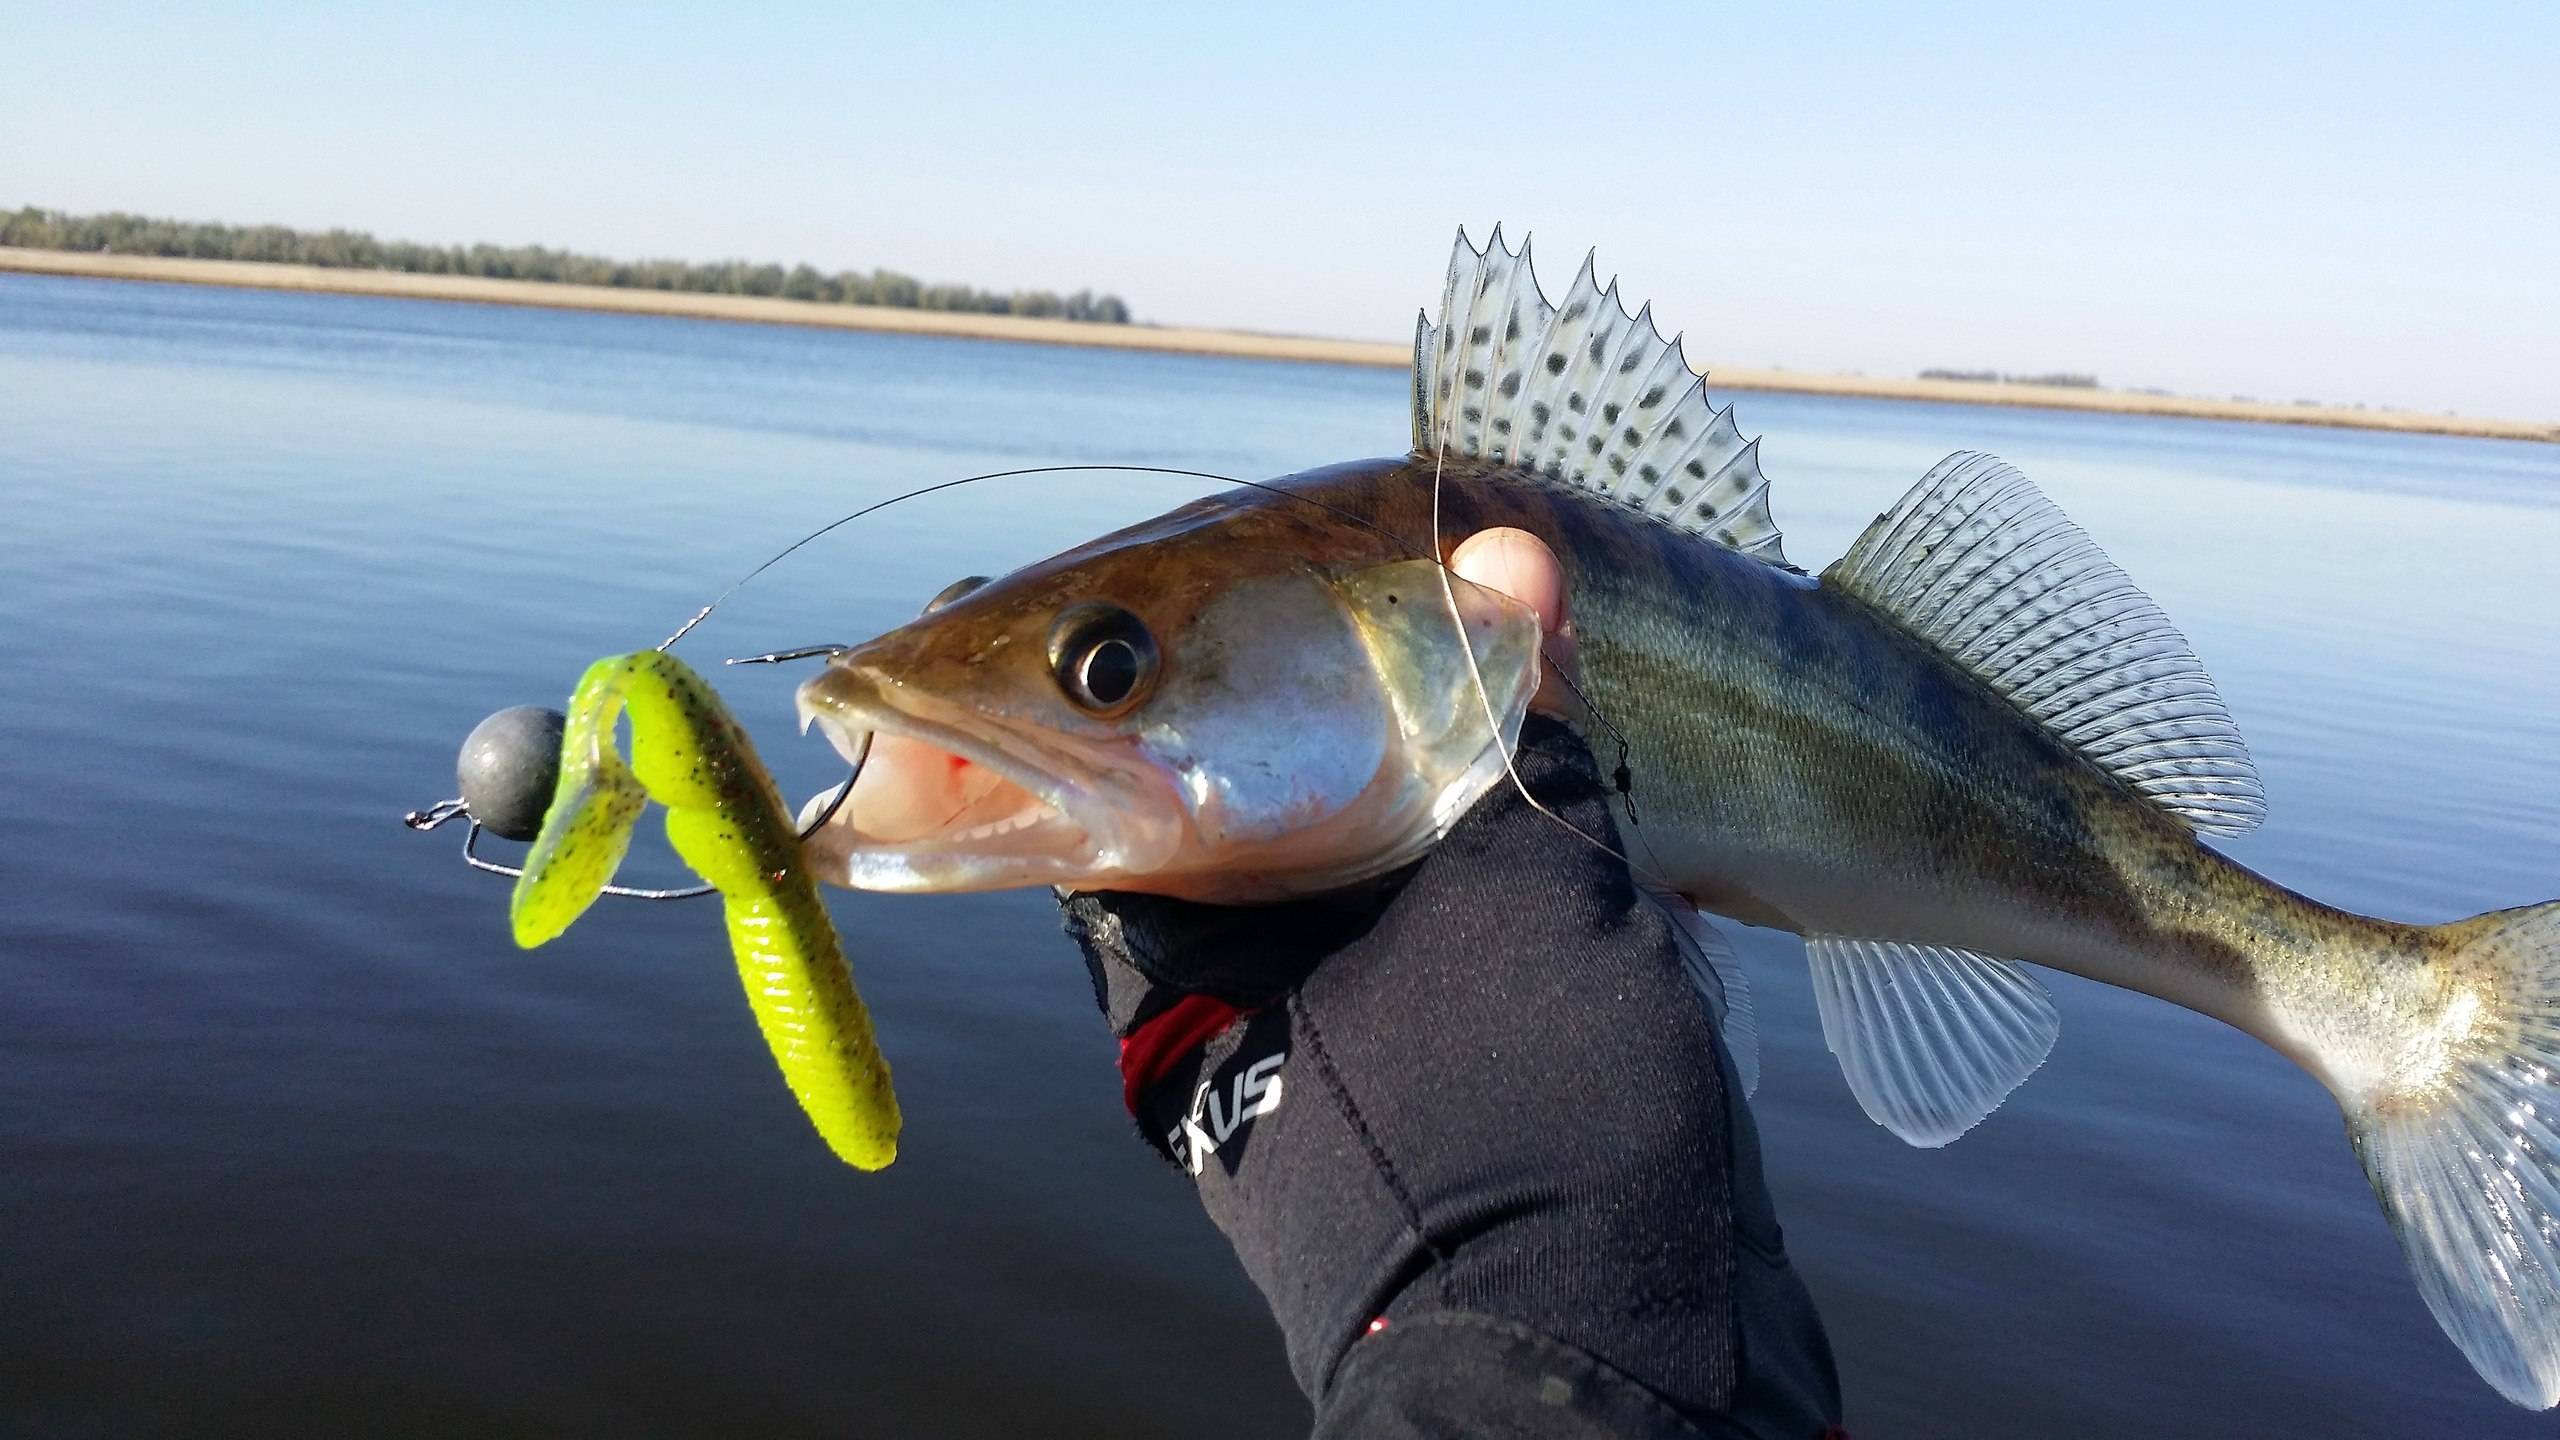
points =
(444, 810)
(776, 657)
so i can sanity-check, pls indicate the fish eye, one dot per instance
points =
(953, 591)
(1102, 657)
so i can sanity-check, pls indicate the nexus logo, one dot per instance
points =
(1218, 1113)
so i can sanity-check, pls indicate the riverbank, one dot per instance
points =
(1246, 344)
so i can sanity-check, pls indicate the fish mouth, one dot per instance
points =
(950, 799)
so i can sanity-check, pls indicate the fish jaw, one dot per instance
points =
(1041, 808)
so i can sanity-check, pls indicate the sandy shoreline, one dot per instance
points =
(760, 310)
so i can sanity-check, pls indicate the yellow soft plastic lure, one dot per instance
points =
(726, 819)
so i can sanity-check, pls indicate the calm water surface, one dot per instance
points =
(292, 1140)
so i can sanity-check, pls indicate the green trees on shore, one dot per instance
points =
(352, 249)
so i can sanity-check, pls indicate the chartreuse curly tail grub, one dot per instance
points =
(725, 817)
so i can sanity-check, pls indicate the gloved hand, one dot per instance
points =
(1473, 1134)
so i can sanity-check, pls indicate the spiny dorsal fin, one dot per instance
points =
(1583, 393)
(1979, 563)
(1931, 1038)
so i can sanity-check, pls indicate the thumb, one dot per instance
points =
(1520, 565)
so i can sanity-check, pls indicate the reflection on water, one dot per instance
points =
(291, 1138)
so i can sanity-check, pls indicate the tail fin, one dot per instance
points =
(2468, 1170)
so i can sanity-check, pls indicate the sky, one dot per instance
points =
(2339, 202)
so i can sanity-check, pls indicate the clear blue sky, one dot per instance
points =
(2342, 202)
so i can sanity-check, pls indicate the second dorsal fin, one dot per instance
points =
(1585, 394)
(1976, 561)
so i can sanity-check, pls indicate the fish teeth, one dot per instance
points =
(1023, 821)
(847, 739)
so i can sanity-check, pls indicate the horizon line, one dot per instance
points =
(1196, 340)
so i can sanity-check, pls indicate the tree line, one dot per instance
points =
(124, 234)
(2068, 380)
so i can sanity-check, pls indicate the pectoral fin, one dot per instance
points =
(1716, 971)
(1931, 1038)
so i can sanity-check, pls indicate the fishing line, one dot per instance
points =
(1475, 666)
(843, 520)
(1484, 699)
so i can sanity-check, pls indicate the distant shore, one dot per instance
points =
(754, 309)
(1246, 344)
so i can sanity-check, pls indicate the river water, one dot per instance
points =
(293, 1140)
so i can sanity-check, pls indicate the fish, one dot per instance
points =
(1969, 746)
(726, 819)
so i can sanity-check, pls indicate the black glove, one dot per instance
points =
(1472, 1133)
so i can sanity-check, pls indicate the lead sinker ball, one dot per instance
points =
(509, 766)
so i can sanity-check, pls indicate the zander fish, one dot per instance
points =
(1971, 742)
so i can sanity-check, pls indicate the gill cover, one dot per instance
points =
(1320, 734)
(1458, 702)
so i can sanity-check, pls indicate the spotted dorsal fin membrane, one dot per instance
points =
(1585, 394)
(1976, 561)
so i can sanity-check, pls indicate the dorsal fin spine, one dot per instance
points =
(1625, 413)
(1667, 383)
(1642, 488)
(1734, 485)
(1502, 426)
(1424, 338)
(1593, 344)
(1715, 443)
(1457, 315)
(1472, 386)
(1585, 394)
(1609, 398)
(1452, 325)
(1544, 450)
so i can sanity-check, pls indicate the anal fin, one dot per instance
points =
(1931, 1038)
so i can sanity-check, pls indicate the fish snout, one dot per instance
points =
(841, 701)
